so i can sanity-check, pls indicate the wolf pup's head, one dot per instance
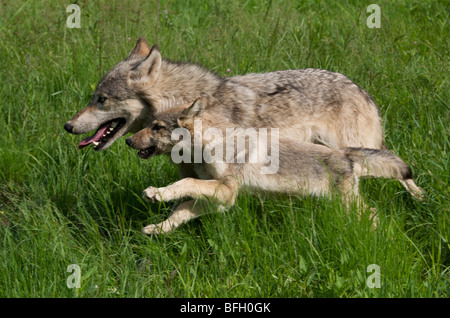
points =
(157, 138)
(117, 106)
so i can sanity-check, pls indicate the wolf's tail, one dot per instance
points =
(383, 164)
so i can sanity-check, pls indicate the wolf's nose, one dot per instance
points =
(68, 127)
(129, 142)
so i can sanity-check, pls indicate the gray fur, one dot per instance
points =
(308, 105)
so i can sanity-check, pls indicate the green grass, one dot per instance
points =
(61, 206)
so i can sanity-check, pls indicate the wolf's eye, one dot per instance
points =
(157, 127)
(101, 99)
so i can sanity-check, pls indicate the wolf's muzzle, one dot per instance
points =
(129, 142)
(68, 127)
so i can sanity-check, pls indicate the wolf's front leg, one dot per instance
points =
(183, 213)
(156, 194)
(164, 194)
(224, 191)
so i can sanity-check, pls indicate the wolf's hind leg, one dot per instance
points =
(350, 192)
(413, 189)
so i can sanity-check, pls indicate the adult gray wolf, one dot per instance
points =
(303, 168)
(309, 105)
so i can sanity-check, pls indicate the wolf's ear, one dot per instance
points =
(148, 69)
(194, 111)
(140, 51)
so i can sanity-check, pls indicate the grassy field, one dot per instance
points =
(61, 206)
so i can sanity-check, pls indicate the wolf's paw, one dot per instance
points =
(152, 194)
(152, 229)
(161, 228)
(419, 194)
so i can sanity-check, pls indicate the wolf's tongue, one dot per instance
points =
(98, 134)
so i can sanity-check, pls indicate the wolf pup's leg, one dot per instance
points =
(183, 213)
(349, 189)
(224, 191)
(413, 189)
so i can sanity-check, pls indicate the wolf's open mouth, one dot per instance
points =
(104, 133)
(147, 153)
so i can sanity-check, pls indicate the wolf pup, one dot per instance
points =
(303, 168)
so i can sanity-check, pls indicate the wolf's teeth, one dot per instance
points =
(111, 128)
(96, 143)
(104, 135)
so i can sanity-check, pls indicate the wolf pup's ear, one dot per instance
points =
(140, 51)
(194, 111)
(148, 69)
